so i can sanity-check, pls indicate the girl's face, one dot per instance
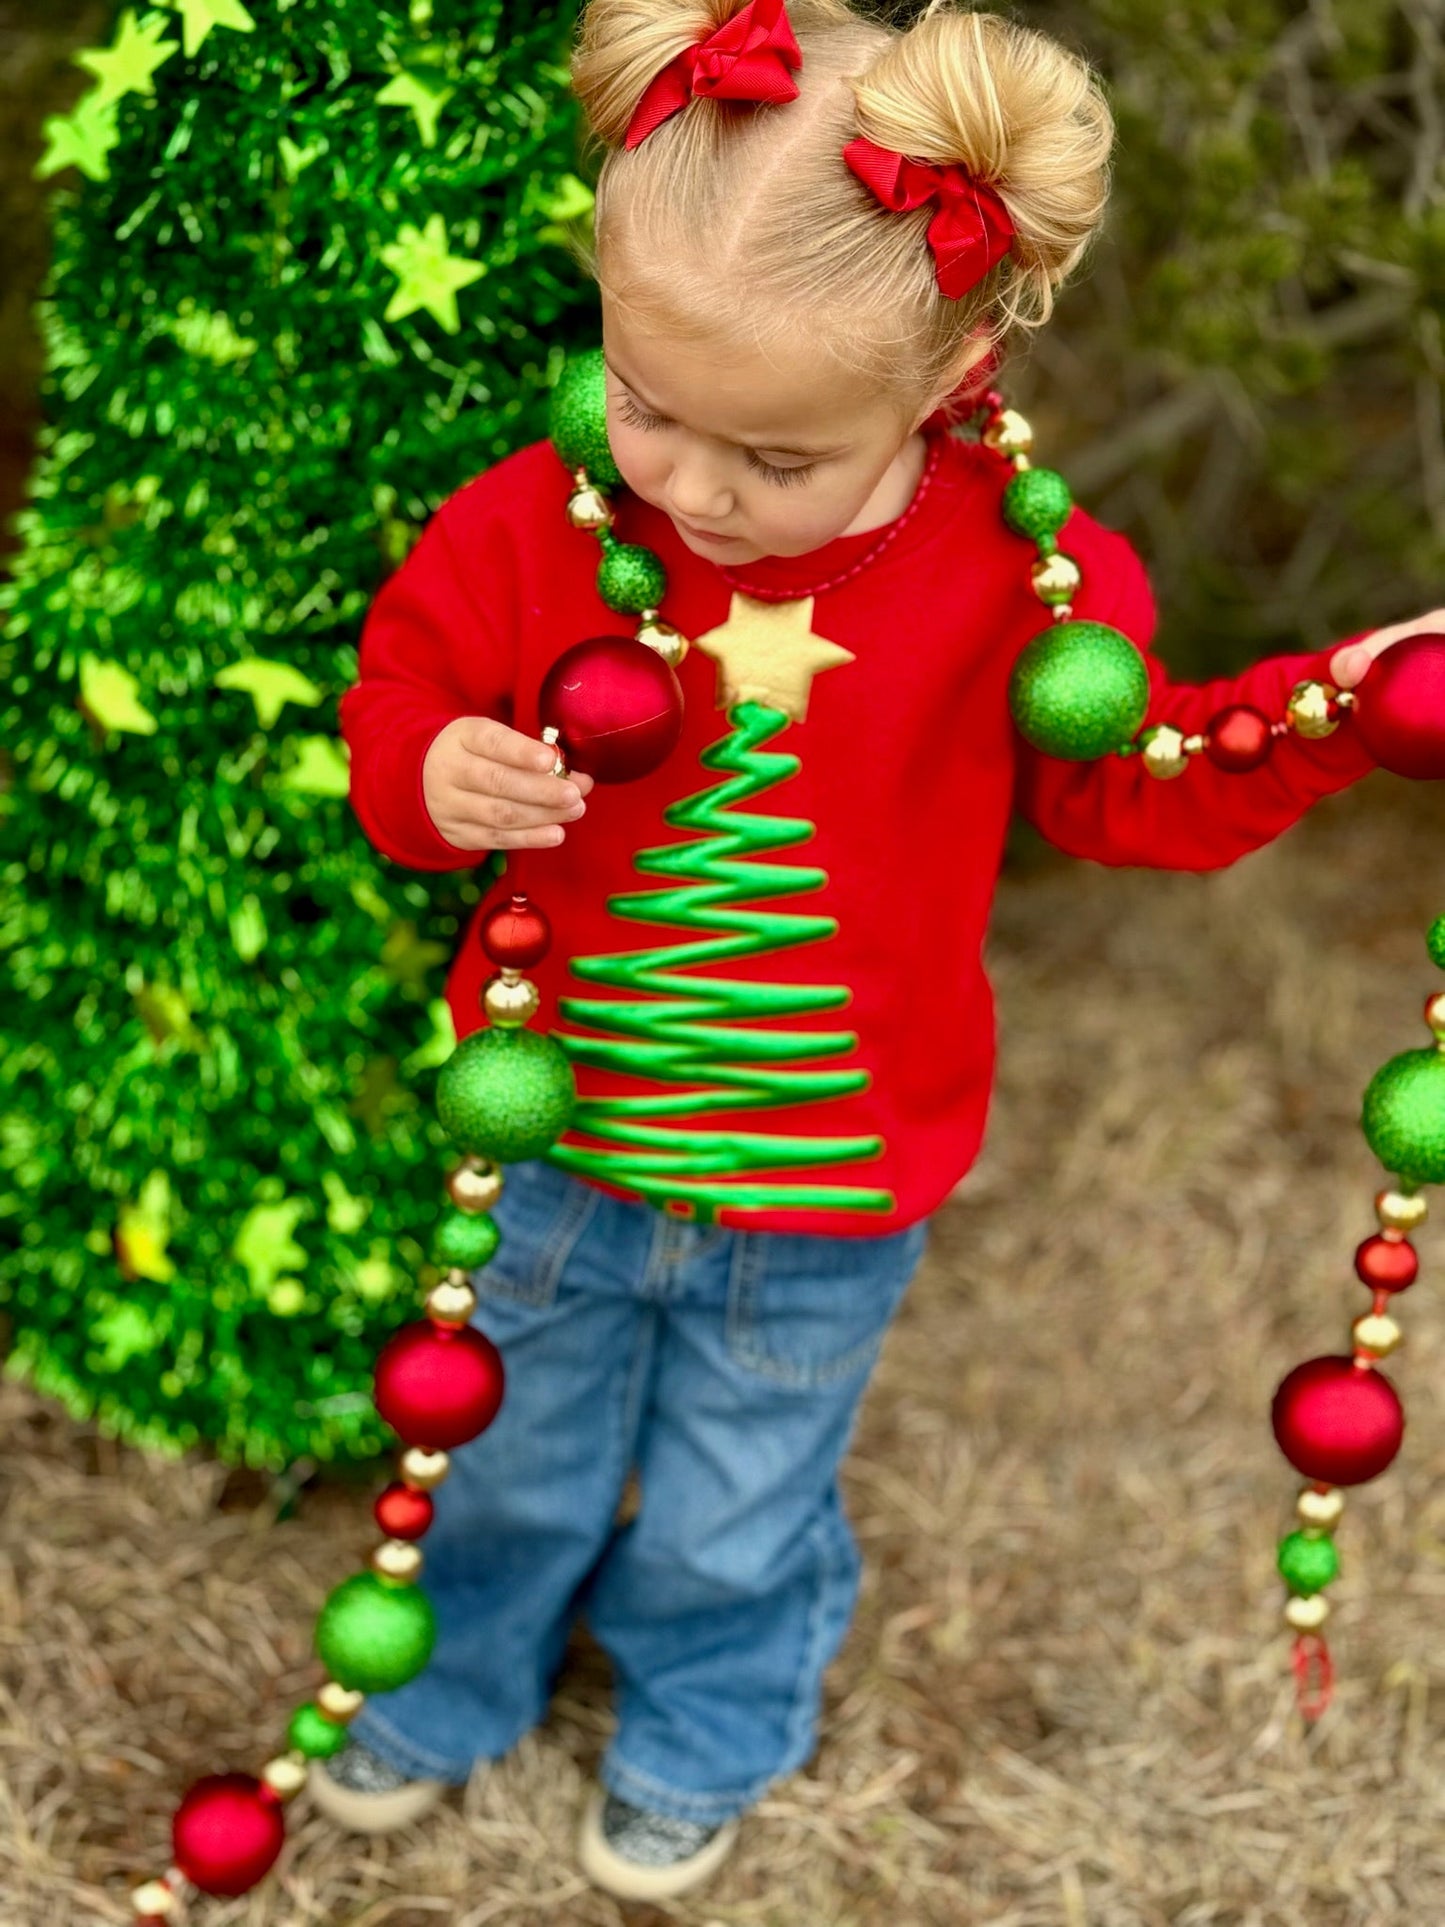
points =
(777, 455)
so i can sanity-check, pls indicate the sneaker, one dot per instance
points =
(634, 1854)
(360, 1790)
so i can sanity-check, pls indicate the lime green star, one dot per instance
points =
(126, 67)
(429, 276)
(321, 767)
(81, 139)
(270, 685)
(425, 98)
(264, 1244)
(201, 15)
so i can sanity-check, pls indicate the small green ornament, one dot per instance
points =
(466, 1238)
(1435, 943)
(577, 418)
(1036, 502)
(506, 1094)
(373, 1637)
(1404, 1116)
(1079, 690)
(311, 1733)
(630, 578)
(1307, 1564)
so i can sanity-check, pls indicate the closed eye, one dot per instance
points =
(782, 477)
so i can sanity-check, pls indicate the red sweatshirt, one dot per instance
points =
(808, 1044)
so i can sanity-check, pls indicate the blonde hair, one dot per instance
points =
(726, 199)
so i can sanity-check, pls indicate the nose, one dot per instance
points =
(695, 497)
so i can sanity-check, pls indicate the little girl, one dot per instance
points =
(813, 234)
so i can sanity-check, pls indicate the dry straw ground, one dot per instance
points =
(1066, 1698)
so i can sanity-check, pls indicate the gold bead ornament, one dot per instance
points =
(1056, 577)
(1163, 751)
(1376, 1334)
(424, 1471)
(1009, 433)
(453, 1301)
(475, 1185)
(1307, 1615)
(398, 1560)
(1308, 710)
(510, 999)
(286, 1774)
(339, 1703)
(1321, 1509)
(587, 507)
(1401, 1211)
(671, 644)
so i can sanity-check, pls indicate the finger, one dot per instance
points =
(502, 813)
(1348, 665)
(482, 776)
(545, 838)
(485, 736)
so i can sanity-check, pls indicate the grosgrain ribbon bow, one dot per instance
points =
(747, 58)
(971, 230)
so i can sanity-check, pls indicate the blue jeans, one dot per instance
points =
(726, 1367)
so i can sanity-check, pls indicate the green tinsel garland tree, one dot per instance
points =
(303, 259)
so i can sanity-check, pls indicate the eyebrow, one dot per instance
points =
(778, 448)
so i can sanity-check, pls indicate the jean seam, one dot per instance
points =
(748, 1267)
(404, 1754)
(557, 1247)
(796, 1748)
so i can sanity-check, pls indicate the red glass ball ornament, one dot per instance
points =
(227, 1832)
(617, 706)
(1238, 739)
(1387, 1264)
(1337, 1422)
(1400, 707)
(437, 1387)
(516, 934)
(402, 1512)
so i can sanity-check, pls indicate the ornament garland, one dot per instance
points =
(613, 706)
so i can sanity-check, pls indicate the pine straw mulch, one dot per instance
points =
(1066, 1698)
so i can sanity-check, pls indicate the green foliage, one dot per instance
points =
(219, 1168)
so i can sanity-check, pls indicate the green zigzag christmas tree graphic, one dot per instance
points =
(682, 1028)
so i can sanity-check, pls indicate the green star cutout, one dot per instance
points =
(108, 692)
(270, 685)
(82, 139)
(321, 767)
(429, 276)
(425, 98)
(264, 1244)
(127, 66)
(201, 15)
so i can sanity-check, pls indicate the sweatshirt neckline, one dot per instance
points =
(831, 558)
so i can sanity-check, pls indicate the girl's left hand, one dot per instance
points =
(1348, 665)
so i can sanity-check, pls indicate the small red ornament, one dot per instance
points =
(1400, 707)
(438, 1387)
(1238, 739)
(516, 934)
(227, 1832)
(402, 1512)
(1336, 1421)
(617, 706)
(1387, 1264)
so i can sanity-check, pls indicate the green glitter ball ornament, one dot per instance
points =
(1037, 502)
(1435, 943)
(630, 578)
(1307, 1564)
(466, 1238)
(577, 418)
(373, 1637)
(506, 1094)
(1079, 690)
(1404, 1116)
(311, 1733)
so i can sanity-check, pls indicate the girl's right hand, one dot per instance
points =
(488, 787)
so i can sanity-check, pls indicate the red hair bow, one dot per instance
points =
(746, 58)
(971, 230)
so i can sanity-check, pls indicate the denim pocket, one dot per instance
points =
(807, 1310)
(541, 1214)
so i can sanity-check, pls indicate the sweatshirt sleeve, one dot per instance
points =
(436, 643)
(1113, 811)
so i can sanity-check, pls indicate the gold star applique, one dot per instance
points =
(766, 652)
